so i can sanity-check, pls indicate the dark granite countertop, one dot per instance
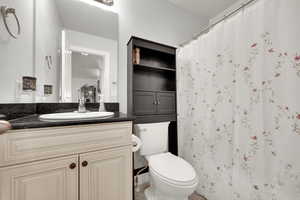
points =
(33, 121)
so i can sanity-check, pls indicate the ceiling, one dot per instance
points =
(205, 8)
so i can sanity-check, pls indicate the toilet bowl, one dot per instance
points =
(171, 177)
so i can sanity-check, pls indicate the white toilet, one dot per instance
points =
(171, 177)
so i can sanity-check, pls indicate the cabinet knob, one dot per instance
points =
(84, 163)
(72, 166)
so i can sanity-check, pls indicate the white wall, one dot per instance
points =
(48, 43)
(16, 56)
(155, 20)
(77, 40)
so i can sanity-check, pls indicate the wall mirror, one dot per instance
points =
(60, 48)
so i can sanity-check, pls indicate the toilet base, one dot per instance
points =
(151, 196)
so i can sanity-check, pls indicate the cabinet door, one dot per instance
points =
(166, 102)
(46, 180)
(144, 103)
(106, 175)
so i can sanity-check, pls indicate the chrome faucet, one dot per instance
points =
(81, 103)
(101, 100)
(81, 106)
(101, 104)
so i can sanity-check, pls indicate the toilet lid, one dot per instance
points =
(172, 168)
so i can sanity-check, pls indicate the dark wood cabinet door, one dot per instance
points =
(144, 103)
(166, 102)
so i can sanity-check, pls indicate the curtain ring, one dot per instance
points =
(5, 12)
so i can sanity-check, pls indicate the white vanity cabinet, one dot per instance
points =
(89, 162)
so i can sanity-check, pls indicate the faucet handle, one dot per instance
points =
(81, 106)
(81, 101)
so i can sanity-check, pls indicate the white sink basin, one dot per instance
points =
(76, 116)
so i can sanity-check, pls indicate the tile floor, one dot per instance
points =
(140, 195)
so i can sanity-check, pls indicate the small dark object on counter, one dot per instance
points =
(4, 126)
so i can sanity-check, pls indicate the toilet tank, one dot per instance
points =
(154, 137)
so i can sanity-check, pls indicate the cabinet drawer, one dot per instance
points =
(34, 144)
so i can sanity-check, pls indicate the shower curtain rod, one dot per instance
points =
(207, 29)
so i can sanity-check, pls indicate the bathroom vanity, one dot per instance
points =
(86, 160)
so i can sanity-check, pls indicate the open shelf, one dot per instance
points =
(155, 67)
(156, 59)
(153, 80)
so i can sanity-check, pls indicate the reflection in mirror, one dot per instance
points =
(87, 73)
(88, 78)
(88, 48)
(42, 63)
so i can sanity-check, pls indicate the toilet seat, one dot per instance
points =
(172, 169)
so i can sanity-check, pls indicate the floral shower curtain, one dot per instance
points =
(239, 104)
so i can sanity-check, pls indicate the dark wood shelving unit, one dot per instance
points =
(151, 81)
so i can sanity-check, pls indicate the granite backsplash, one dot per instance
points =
(13, 111)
